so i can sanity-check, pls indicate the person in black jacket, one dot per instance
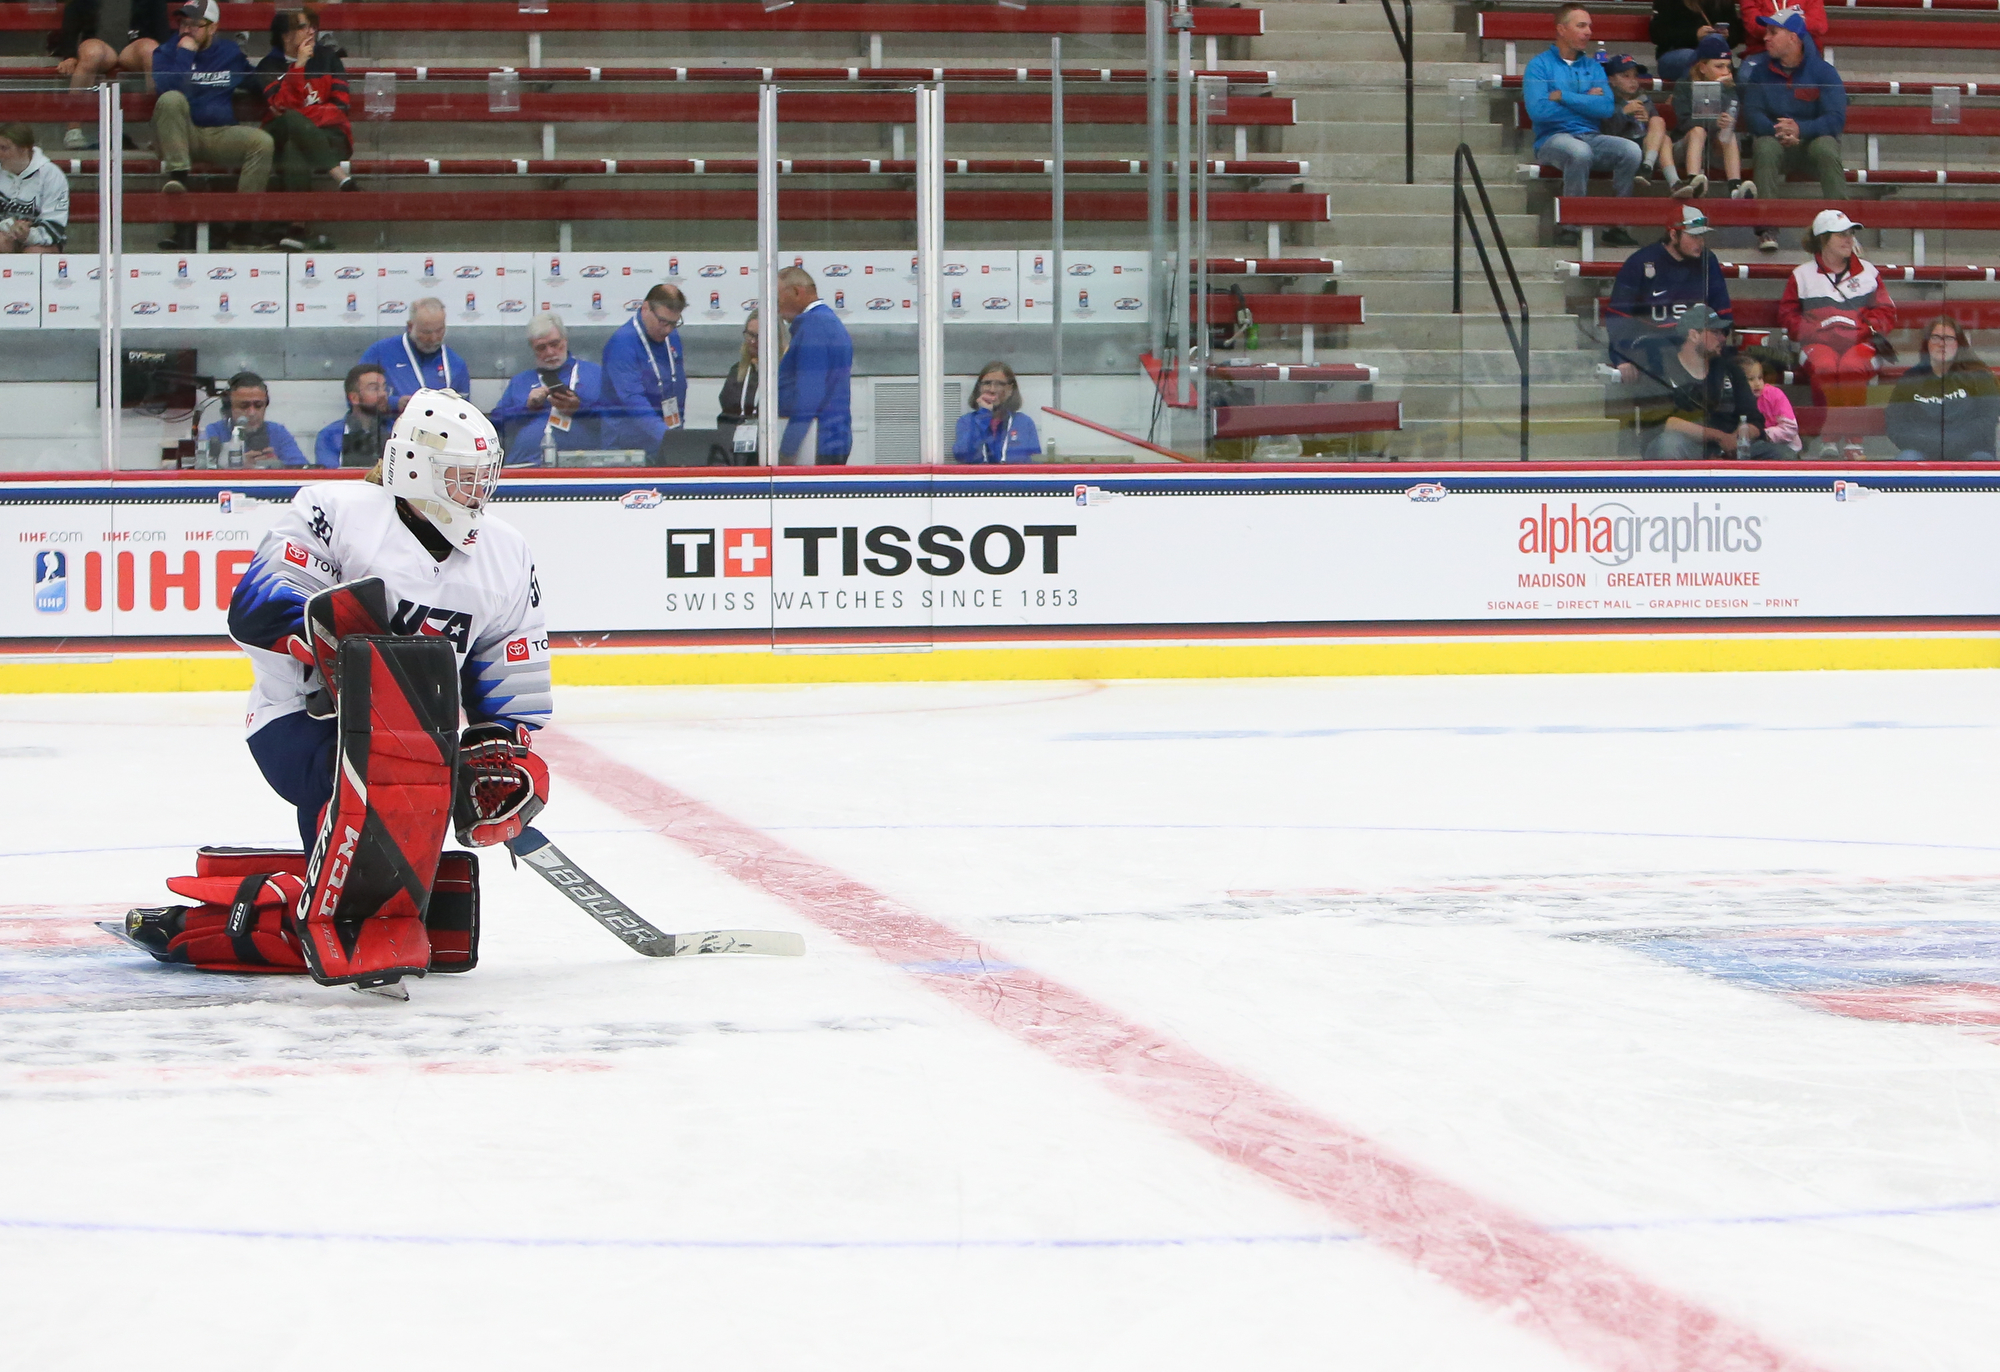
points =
(88, 59)
(738, 420)
(1946, 407)
(1680, 25)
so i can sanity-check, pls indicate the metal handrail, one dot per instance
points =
(1461, 215)
(1406, 43)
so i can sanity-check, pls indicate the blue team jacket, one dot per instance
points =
(976, 440)
(1651, 293)
(813, 380)
(1577, 112)
(442, 370)
(521, 428)
(207, 78)
(1814, 95)
(282, 442)
(634, 387)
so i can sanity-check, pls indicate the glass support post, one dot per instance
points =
(1156, 173)
(1056, 219)
(768, 322)
(110, 265)
(930, 281)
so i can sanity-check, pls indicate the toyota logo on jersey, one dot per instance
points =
(517, 649)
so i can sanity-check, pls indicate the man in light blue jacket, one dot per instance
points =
(1568, 98)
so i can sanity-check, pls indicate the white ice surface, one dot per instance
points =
(1366, 893)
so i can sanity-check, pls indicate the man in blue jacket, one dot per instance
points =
(813, 376)
(266, 443)
(552, 406)
(645, 380)
(1568, 97)
(1795, 105)
(195, 116)
(417, 359)
(1656, 286)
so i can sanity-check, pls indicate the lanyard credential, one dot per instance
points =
(444, 366)
(559, 421)
(670, 405)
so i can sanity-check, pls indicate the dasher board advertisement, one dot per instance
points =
(1057, 549)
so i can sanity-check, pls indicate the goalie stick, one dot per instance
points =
(534, 848)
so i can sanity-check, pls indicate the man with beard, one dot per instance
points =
(1699, 405)
(356, 438)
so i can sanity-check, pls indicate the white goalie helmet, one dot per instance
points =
(444, 458)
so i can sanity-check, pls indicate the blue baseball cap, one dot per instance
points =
(1621, 63)
(1786, 19)
(1711, 47)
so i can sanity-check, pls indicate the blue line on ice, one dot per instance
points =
(1487, 730)
(1400, 829)
(833, 1245)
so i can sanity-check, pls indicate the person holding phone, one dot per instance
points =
(553, 406)
(265, 442)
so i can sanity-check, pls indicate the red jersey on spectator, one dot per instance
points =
(1838, 309)
(1753, 10)
(317, 89)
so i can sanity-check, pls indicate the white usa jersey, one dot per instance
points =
(484, 600)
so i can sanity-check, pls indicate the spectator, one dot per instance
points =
(1636, 119)
(552, 406)
(305, 94)
(1796, 107)
(1704, 133)
(1781, 421)
(645, 381)
(1752, 33)
(1837, 308)
(34, 195)
(996, 430)
(738, 420)
(265, 444)
(1679, 26)
(1656, 286)
(1565, 92)
(417, 358)
(195, 115)
(1700, 406)
(1946, 407)
(813, 375)
(357, 438)
(87, 60)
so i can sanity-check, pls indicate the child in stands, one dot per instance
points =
(1702, 134)
(1781, 421)
(1636, 119)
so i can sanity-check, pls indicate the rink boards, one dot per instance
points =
(1128, 571)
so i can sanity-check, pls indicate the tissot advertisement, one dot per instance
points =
(1053, 550)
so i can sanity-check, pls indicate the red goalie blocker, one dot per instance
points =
(376, 860)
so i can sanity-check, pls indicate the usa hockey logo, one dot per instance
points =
(20, 307)
(392, 307)
(594, 271)
(513, 306)
(838, 269)
(348, 274)
(146, 307)
(954, 269)
(51, 582)
(1082, 269)
(881, 303)
(222, 273)
(997, 302)
(713, 269)
(1127, 302)
(641, 500)
(517, 649)
(466, 273)
(265, 307)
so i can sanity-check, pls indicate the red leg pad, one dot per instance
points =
(376, 861)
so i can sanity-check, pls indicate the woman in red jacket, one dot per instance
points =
(305, 86)
(1836, 306)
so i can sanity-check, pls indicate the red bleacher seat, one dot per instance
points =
(1538, 27)
(1349, 417)
(691, 107)
(814, 16)
(1127, 207)
(1973, 314)
(1291, 309)
(1855, 177)
(1280, 371)
(1605, 211)
(898, 75)
(713, 166)
(1778, 271)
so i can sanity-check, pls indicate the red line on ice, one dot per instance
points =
(1591, 1307)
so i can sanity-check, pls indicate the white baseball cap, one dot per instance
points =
(1833, 221)
(202, 11)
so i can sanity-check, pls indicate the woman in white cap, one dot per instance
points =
(1836, 306)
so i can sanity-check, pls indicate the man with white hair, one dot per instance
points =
(417, 359)
(555, 405)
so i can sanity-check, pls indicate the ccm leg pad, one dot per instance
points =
(240, 923)
(375, 863)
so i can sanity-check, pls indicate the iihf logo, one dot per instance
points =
(51, 582)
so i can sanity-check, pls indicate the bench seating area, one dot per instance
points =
(1516, 27)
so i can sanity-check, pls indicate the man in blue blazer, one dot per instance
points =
(813, 376)
(552, 406)
(645, 380)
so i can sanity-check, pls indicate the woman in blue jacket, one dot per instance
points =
(996, 430)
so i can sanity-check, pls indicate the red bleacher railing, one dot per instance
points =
(677, 75)
(710, 166)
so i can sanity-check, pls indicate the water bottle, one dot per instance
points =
(232, 452)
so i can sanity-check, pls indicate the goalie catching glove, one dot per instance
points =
(502, 784)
